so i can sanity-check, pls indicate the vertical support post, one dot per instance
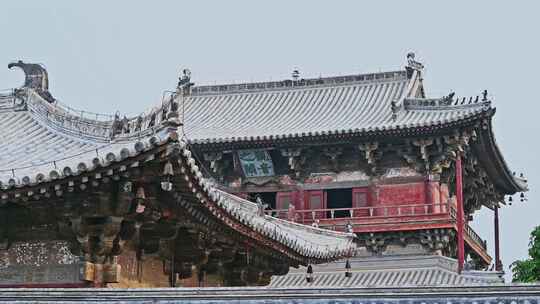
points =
(427, 192)
(172, 275)
(299, 201)
(498, 262)
(460, 214)
(98, 276)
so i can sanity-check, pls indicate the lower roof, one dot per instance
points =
(393, 271)
(471, 294)
(41, 157)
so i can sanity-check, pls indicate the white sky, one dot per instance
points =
(104, 56)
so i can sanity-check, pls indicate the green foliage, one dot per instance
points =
(529, 270)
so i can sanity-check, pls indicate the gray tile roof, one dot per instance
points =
(311, 242)
(374, 278)
(393, 271)
(44, 141)
(478, 294)
(31, 147)
(41, 136)
(356, 104)
(44, 137)
(36, 150)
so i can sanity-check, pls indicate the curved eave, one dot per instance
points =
(243, 217)
(494, 162)
(234, 212)
(87, 168)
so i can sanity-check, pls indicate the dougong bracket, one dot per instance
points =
(370, 149)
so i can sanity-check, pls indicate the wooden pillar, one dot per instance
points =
(498, 262)
(99, 278)
(427, 192)
(172, 274)
(460, 214)
(98, 274)
(433, 194)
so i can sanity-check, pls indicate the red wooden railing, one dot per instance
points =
(383, 211)
(328, 217)
(468, 230)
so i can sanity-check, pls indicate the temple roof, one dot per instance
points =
(43, 135)
(33, 145)
(390, 271)
(353, 104)
(47, 154)
(47, 135)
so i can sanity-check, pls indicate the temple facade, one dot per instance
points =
(370, 154)
(92, 202)
(230, 185)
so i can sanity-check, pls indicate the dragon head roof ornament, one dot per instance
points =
(36, 77)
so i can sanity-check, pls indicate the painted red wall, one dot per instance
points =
(400, 194)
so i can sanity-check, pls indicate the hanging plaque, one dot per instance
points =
(256, 163)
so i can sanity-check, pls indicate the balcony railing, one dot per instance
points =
(333, 217)
(475, 237)
(308, 216)
(468, 230)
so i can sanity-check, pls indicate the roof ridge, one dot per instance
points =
(85, 124)
(297, 84)
(445, 103)
(60, 117)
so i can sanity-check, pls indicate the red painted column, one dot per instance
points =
(427, 199)
(460, 214)
(498, 262)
